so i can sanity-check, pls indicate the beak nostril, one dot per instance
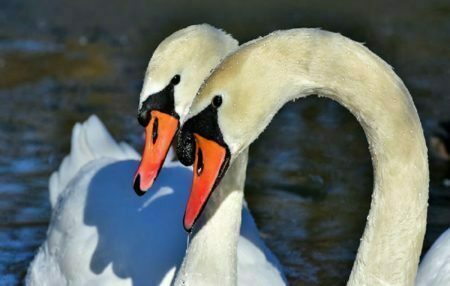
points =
(155, 130)
(199, 162)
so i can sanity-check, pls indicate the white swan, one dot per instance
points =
(100, 232)
(245, 91)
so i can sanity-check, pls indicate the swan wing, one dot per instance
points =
(90, 140)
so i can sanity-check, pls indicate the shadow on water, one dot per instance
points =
(142, 237)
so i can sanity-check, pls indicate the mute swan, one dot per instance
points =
(101, 233)
(244, 92)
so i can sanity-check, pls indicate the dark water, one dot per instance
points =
(61, 61)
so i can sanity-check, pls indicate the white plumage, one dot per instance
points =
(101, 233)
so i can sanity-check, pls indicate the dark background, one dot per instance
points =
(61, 61)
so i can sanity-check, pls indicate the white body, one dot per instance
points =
(101, 233)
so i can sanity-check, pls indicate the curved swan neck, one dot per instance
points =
(211, 256)
(265, 74)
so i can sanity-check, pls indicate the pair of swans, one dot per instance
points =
(234, 105)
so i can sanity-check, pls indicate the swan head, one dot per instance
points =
(174, 74)
(232, 107)
(222, 122)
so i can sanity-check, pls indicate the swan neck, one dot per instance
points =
(212, 252)
(298, 63)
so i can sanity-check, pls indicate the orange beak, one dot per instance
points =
(210, 162)
(159, 134)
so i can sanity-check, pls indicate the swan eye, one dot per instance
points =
(217, 101)
(175, 80)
